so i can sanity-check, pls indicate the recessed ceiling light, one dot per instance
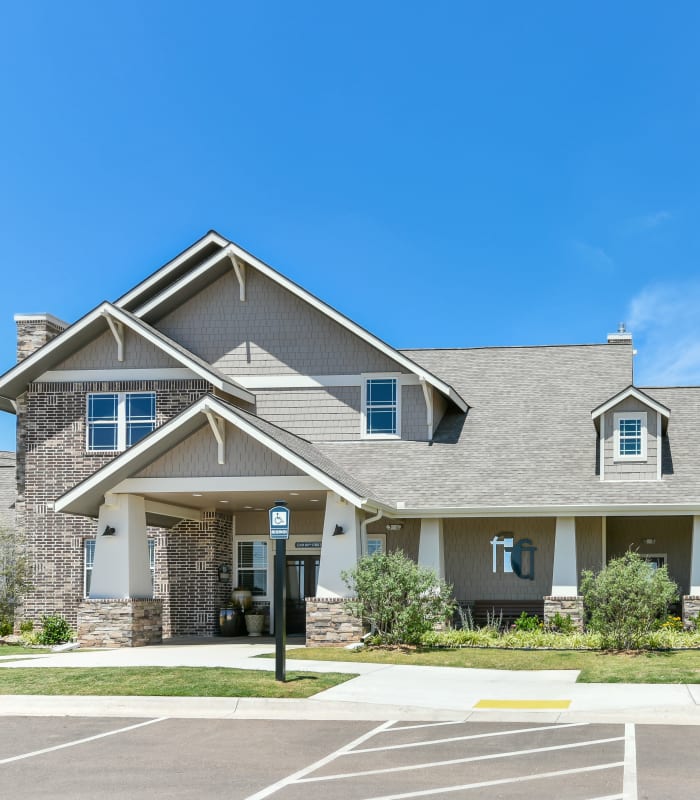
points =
(313, 500)
(294, 494)
(196, 494)
(247, 506)
(258, 509)
(224, 501)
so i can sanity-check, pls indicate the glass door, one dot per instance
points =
(302, 579)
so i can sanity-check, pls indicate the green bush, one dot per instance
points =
(55, 630)
(561, 624)
(399, 599)
(624, 601)
(5, 626)
(526, 623)
(26, 626)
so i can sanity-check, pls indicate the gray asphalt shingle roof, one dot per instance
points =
(528, 438)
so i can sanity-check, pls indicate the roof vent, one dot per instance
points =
(621, 337)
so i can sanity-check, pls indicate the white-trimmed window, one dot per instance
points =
(375, 545)
(89, 562)
(116, 420)
(381, 407)
(252, 567)
(631, 435)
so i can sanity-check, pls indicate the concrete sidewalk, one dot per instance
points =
(379, 692)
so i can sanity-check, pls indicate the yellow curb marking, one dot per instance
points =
(523, 704)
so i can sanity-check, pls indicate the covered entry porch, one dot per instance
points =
(201, 486)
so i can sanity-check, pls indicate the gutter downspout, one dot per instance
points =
(363, 531)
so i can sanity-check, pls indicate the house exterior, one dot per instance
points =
(154, 433)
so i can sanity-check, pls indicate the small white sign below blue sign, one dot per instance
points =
(279, 522)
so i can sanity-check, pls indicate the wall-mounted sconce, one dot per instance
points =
(109, 531)
(394, 526)
(224, 573)
(338, 530)
(650, 541)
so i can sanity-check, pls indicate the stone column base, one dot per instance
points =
(328, 624)
(691, 608)
(120, 623)
(566, 606)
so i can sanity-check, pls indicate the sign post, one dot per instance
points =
(279, 531)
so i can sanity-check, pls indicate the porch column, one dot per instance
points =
(339, 551)
(431, 548)
(564, 599)
(691, 602)
(121, 569)
(564, 577)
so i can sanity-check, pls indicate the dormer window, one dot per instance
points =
(381, 408)
(631, 435)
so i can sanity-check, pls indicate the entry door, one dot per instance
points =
(302, 579)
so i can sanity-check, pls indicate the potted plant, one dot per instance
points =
(254, 622)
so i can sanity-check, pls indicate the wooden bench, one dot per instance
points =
(507, 610)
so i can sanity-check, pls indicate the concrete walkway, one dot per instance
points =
(379, 692)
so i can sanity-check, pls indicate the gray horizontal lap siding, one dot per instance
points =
(272, 332)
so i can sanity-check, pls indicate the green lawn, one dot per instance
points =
(164, 681)
(596, 667)
(16, 649)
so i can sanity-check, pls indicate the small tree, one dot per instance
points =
(15, 574)
(401, 600)
(625, 599)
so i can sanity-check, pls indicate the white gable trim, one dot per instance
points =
(631, 391)
(211, 238)
(101, 479)
(234, 252)
(43, 356)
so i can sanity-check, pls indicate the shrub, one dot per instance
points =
(561, 624)
(26, 626)
(5, 626)
(55, 629)
(14, 574)
(526, 623)
(625, 599)
(399, 599)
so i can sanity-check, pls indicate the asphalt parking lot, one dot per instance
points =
(78, 757)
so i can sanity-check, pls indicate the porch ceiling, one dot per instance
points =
(240, 501)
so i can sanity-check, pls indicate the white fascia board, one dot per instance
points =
(310, 469)
(631, 392)
(203, 483)
(158, 340)
(142, 329)
(87, 375)
(635, 509)
(211, 238)
(319, 305)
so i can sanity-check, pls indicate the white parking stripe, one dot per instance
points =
(425, 725)
(275, 787)
(488, 757)
(81, 741)
(629, 781)
(471, 736)
(500, 782)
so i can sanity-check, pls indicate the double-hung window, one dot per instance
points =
(631, 436)
(116, 420)
(89, 562)
(381, 407)
(252, 567)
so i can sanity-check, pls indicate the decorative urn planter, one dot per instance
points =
(254, 623)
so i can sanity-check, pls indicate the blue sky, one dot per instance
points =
(446, 173)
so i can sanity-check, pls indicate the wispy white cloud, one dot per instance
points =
(593, 256)
(665, 323)
(647, 222)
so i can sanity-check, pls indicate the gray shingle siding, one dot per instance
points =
(630, 470)
(331, 413)
(272, 332)
(101, 353)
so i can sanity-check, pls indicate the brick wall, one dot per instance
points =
(51, 459)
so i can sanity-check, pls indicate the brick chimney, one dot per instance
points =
(623, 336)
(34, 331)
